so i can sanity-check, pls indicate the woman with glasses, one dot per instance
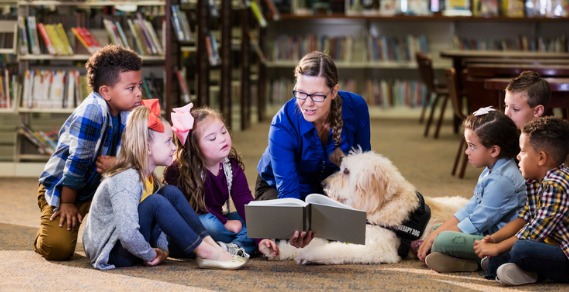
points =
(311, 133)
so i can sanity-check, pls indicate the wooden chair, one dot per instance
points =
(425, 65)
(455, 97)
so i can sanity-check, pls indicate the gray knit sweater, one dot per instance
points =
(113, 217)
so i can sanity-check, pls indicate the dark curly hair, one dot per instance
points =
(550, 134)
(495, 128)
(105, 66)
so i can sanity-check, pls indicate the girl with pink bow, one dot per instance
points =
(133, 219)
(208, 170)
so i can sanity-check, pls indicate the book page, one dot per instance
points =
(284, 202)
(320, 199)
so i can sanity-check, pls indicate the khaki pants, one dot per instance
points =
(54, 242)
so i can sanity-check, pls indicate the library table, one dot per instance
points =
(559, 91)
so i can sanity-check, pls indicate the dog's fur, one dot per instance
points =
(370, 182)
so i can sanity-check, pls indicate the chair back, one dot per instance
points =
(426, 72)
(454, 93)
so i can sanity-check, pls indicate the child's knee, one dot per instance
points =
(54, 249)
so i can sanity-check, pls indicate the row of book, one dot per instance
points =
(55, 40)
(350, 48)
(61, 88)
(522, 43)
(45, 141)
(384, 93)
(484, 8)
(9, 85)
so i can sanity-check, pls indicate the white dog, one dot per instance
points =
(370, 182)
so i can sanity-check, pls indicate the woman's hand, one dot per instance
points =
(234, 226)
(269, 248)
(301, 239)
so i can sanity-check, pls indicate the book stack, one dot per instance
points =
(84, 36)
(54, 89)
(55, 39)
(45, 142)
(144, 38)
(8, 89)
(181, 24)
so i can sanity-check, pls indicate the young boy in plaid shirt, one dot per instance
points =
(536, 244)
(88, 141)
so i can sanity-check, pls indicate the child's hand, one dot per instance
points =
(68, 213)
(234, 226)
(104, 162)
(425, 247)
(269, 248)
(161, 256)
(483, 248)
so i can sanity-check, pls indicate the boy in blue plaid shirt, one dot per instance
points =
(88, 142)
(536, 244)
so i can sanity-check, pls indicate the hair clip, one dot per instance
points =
(154, 122)
(182, 122)
(483, 111)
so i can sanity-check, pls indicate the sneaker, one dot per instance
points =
(511, 274)
(233, 249)
(235, 263)
(443, 263)
(484, 264)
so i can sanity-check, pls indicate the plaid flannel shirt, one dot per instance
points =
(547, 209)
(87, 133)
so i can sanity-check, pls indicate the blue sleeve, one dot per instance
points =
(84, 134)
(282, 151)
(363, 136)
(498, 198)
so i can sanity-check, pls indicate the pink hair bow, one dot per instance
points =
(154, 122)
(182, 122)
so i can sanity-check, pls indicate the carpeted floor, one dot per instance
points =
(426, 162)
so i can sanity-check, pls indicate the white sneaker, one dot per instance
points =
(511, 274)
(233, 249)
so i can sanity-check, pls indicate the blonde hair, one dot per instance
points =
(321, 65)
(191, 162)
(134, 145)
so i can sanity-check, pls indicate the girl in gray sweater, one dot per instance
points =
(131, 214)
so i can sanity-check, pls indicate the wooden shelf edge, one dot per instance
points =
(433, 18)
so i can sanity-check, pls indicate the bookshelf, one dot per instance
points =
(349, 38)
(223, 75)
(41, 108)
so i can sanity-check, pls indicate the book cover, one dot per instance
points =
(514, 8)
(33, 35)
(64, 39)
(48, 44)
(24, 50)
(177, 23)
(326, 217)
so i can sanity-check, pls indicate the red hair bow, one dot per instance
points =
(154, 121)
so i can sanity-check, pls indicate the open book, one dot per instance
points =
(327, 218)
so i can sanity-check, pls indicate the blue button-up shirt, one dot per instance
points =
(498, 197)
(87, 133)
(295, 162)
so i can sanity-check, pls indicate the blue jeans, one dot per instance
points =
(219, 233)
(165, 211)
(547, 260)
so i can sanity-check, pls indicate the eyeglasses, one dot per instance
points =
(315, 97)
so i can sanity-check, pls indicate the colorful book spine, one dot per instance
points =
(64, 39)
(46, 40)
(24, 50)
(33, 35)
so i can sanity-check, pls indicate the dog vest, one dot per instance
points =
(412, 228)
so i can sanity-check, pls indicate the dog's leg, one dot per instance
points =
(381, 247)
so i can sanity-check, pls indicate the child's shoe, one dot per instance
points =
(443, 263)
(233, 249)
(235, 263)
(484, 263)
(511, 274)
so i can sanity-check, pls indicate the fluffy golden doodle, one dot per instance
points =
(370, 182)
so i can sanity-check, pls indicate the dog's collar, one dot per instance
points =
(412, 228)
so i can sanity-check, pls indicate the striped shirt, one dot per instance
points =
(547, 209)
(88, 132)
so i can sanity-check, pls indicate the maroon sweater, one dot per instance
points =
(215, 189)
